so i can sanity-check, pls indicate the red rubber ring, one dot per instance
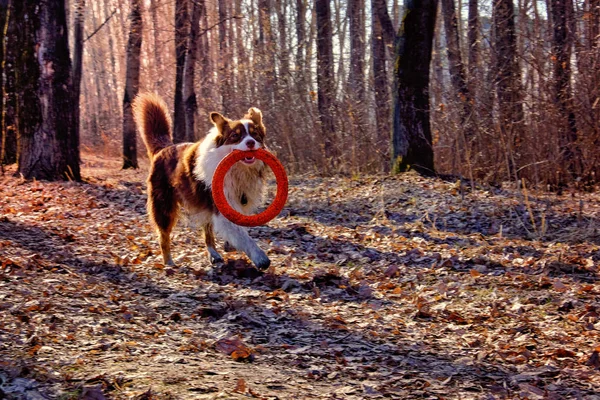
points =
(218, 191)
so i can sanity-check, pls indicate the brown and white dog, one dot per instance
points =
(181, 175)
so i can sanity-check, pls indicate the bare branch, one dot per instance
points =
(101, 26)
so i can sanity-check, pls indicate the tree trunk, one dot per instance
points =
(189, 91)
(380, 82)
(411, 141)
(158, 66)
(205, 105)
(356, 78)
(300, 34)
(132, 84)
(561, 49)
(473, 41)
(46, 124)
(8, 137)
(181, 36)
(387, 26)
(78, 21)
(457, 73)
(224, 60)
(325, 80)
(508, 82)
(267, 54)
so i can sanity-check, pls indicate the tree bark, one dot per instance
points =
(411, 141)
(380, 81)
(189, 91)
(132, 84)
(387, 25)
(267, 54)
(300, 33)
(181, 36)
(78, 21)
(457, 70)
(46, 125)
(561, 49)
(508, 82)
(473, 40)
(325, 80)
(158, 66)
(8, 138)
(356, 78)
(224, 60)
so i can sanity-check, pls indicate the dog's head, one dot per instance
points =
(247, 133)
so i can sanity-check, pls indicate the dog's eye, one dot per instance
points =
(234, 136)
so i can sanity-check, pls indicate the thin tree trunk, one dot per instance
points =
(181, 36)
(561, 49)
(300, 34)
(325, 80)
(356, 78)
(457, 71)
(267, 53)
(158, 66)
(243, 61)
(387, 26)
(78, 20)
(205, 76)
(508, 82)
(224, 60)
(473, 41)
(189, 91)
(132, 84)
(380, 83)
(411, 142)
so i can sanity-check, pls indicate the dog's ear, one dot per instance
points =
(255, 115)
(218, 120)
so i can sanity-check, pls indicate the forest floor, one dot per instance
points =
(383, 287)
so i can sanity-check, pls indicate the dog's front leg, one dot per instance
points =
(238, 237)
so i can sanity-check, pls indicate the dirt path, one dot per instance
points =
(380, 288)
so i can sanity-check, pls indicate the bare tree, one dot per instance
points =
(325, 79)
(508, 83)
(356, 78)
(8, 137)
(46, 126)
(562, 11)
(411, 141)
(181, 36)
(132, 84)
(189, 91)
(78, 22)
(381, 85)
(473, 39)
(224, 59)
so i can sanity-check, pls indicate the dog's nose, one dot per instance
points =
(250, 144)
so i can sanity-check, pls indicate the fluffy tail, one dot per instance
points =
(153, 121)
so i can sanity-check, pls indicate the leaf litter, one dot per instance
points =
(380, 287)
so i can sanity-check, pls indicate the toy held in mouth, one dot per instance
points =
(220, 199)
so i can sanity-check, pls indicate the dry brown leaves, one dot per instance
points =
(398, 287)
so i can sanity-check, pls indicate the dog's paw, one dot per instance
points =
(214, 257)
(262, 262)
(228, 247)
(170, 263)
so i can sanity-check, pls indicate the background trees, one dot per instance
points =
(513, 91)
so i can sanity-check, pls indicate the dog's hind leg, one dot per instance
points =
(165, 246)
(209, 239)
(164, 218)
(239, 238)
